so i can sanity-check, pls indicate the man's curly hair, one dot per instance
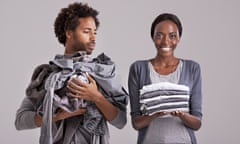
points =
(68, 19)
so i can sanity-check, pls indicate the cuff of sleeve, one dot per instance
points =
(26, 121)
(31, 120)
(120, 120)
(197, 114)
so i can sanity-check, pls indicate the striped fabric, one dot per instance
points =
(164, 97)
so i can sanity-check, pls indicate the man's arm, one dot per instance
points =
(62, 114)
(114, 115)
(27, 117)
(90, 92)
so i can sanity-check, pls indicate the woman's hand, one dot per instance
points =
(178, 113)
(140, 122)
(189, 120)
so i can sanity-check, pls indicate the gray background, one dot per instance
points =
(210, 37)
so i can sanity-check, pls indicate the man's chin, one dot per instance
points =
(89, 50)
(88, 53)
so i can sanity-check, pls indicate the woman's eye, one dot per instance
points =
(173, 36)
(158, 35)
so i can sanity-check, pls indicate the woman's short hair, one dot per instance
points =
(166, 16)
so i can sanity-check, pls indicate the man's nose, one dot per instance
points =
(93, 36)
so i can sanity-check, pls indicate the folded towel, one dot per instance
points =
(164, 97)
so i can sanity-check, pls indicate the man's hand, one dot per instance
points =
(79, 89)
(62, 114)
(90, 92)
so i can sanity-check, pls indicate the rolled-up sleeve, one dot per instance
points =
(120, 120)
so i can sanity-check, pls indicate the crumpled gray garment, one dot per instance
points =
(35, 90)
(102, 69)
(46, 136)
(61, 98)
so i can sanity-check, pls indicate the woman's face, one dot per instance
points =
(166, 37)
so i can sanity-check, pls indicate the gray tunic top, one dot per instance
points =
(139, 75)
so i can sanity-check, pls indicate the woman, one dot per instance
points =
(168, 126)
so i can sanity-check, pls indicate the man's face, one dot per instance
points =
(84, 36)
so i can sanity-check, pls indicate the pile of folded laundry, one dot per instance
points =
(164, 97)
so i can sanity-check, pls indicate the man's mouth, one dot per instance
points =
(92, 45)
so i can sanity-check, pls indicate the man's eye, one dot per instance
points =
(86, 32)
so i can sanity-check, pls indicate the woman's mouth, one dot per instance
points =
(166, 49)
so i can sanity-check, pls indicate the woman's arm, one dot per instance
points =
(140, 122)
(189, 120)
(193, 118)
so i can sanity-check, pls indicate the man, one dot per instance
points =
(75, 28)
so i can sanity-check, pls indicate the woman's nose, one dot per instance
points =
(165, 41)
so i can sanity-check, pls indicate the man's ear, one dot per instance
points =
(69, 34)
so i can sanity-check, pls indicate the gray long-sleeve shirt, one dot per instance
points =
(28, 109)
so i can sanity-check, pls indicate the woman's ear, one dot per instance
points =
(179, 38)
(153, 39)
